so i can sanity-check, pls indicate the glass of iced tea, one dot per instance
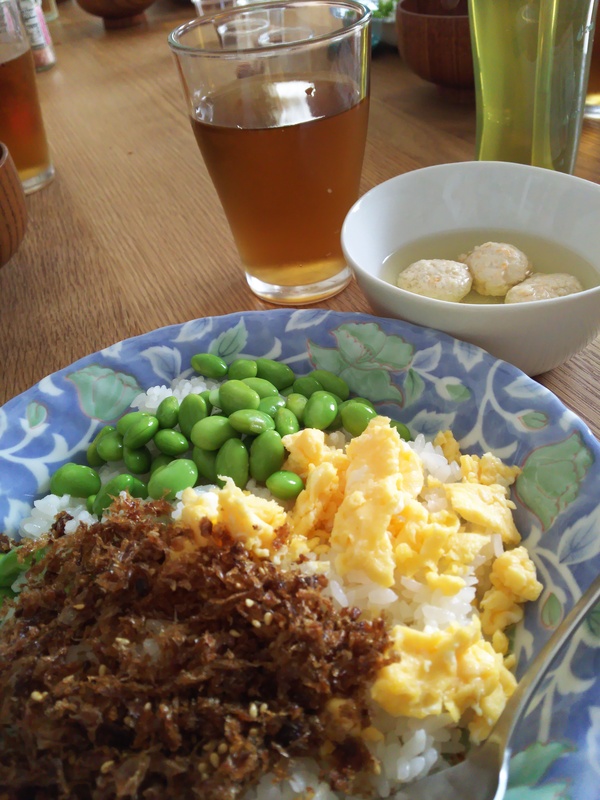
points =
(281, 122)
(21, 124)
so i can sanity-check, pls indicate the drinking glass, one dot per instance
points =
(532, 60)
(592, 98)
(278, 98)
(21, 123)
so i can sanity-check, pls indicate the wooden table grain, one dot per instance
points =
(130, 236)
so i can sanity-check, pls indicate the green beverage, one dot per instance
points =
(531, 68)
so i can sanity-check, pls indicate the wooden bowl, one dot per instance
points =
(117, 13)
(13, 209)
(434, 40)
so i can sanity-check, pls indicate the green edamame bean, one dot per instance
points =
(89, 503)
(76, 480)
(402, 430)
(235, 395)
(140, 432)
(232, 461)
(127, 420)
(137, 461)
(320, 411)
(92, 456)
(103, 432)
(191, 410)
(280, 375)
(166, 482)
(11, 566)
(206, 460)
(206, 397)
(331, 383)
(110, 447)
(296, 403)
(286, 422)
(251, 421)
(307, 386)
(167, 412)
(242, 368)
(267, 454)
(288, 390)
(209, 365)
(171, 443)
(160, 461)
(285, 485)
(213, 397)
(212, 432)
(362, 400)
(269, 405)
(356, 417)
(110, 490)
(138, 489)
(262, 387)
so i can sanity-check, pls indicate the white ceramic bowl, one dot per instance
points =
(485, 196)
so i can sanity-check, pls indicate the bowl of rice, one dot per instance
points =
(230, 636)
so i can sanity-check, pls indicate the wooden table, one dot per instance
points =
(131, 236)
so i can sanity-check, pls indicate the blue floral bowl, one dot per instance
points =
(429, 381)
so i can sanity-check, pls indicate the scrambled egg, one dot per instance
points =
(375, 515)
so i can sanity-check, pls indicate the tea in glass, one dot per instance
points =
(281, 122)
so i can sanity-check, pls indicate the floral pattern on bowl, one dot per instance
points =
(430, 382)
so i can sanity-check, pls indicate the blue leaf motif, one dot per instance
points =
(580, 542)
(3, 423)
(430, 423)
(308, 318)
(523, 389)
(593, 739)
(166, 361)
(427, 360)
(467, 354)
(194, 330)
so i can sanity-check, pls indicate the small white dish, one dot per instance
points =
(485, 196)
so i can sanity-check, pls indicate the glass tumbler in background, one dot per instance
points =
(281, 122)
(21, 123)
(592, 98)
(531, 60)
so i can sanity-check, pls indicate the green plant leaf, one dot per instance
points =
(593, 621)
(551, 611)
(534, 420)
(551, 477)
(36, 414)
(230, 343)
(366, 345)
(103, 393)
(374, 384)
(530, 765)
(328, 358)
(414, 387)
(458, 392)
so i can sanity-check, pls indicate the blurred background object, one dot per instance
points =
(13, 210)
(38, 34)
(117, 13)
(531, 68)
(21, 123)
(435, 41)
(592, 99)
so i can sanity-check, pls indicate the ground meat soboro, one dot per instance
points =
(138, 665)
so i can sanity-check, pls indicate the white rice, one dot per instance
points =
(410, 748)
